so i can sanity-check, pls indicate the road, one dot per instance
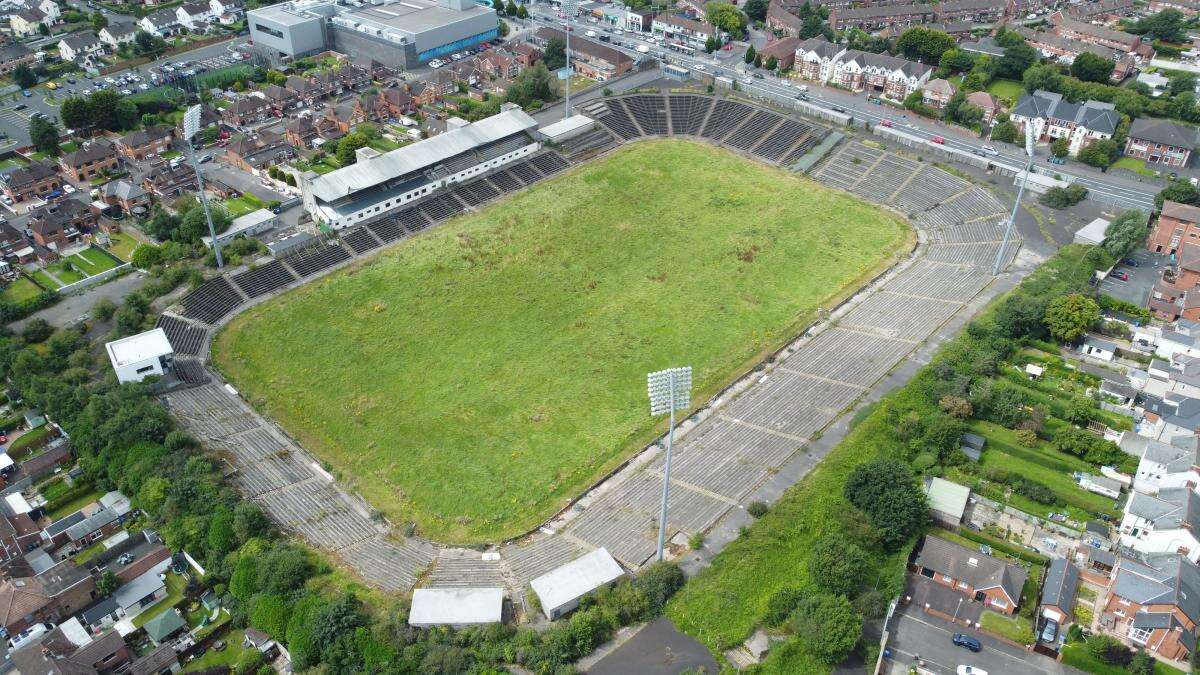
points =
(1126, 193)
(915, 633)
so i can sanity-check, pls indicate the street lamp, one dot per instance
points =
(569, 9)
(191, 126)
(669, 390)
(1020, 191)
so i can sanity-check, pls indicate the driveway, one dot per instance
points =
(1141, 278)
(657, 649)
(915, 633)
(71, 307)
(241, 181)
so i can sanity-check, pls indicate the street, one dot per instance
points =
(1126, 193)
(915, 633)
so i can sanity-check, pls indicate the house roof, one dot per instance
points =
(88, 153)
(1061, 584)
(79, 41)
(13, 51)
(939, 86)
(120, 29)
(978, 569)
(1159, 579)
(686, 23)
(157, 660)
(575, 579)
(1164, 131)
(164, 625)
(984, 45)
(1170, 509)
(96, 613)
(141, 586)
(1099, 32)
(982, 99)
(1094, 115)
(783, 48)
(123, 190)
(823, 48)
(32, 15)
(141, 137)
(1184, 212)
(25, 175)
(884, 61)
(19, 598)
(946, 497)
(162, 18)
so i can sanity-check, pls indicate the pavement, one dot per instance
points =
(656, 649)
(71, 307)
(1141, 280)
(915, 633)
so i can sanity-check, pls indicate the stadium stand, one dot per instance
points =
(313, 260)
(185, 337)
(263, 280)
(210, 301)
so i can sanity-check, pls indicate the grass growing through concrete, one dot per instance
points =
(477, 378)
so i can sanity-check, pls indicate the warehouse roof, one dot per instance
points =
(575, 579)
(455, 606)
(948, 498)
(138, 348)
(346, 181)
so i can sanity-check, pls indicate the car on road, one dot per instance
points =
(1057, 160)
(885, 123)
(990, 149)
(6, 199)
(20, 106)
(68, 188)
(838, 109)
(801, 97)
(26, 93)
(938, 139)
(52, 86)
(967, 642)
(970, 670)
(70, 80)
(699, 67)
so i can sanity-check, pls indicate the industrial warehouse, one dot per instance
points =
(399, 34)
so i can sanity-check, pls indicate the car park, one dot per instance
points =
(1121, 274)
(1132, 262)
(967, 642)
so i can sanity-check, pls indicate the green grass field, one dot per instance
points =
(1009, 90)
(21, 289)
(93, 261)
(477, 378)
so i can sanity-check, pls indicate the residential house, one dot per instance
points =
(151, 141)
(1101, 10)
(889, 76)
(1162, 465)
(1177, 224)
(161, 659)
(32, 180)
(227, 11)
(117, 34)
(682, 30)
(194, 15)
(970, 11)
(1162, 523)
(145, 590)
(1153, 603)
(162, 23)
(79, 47)
(351, 77)
(816, 59)
(125, 194)
(871, 18)
(1098, 348)
(1160, 141)
(589, 58)
(259, 151)
(89, 161)
(1188, 7)
(14, 247)
(247, 110)
(398, 102)
(28, 22)
(937, 93)
(1059, 590)
(985, 102)
(978, 576)
(376, 69)
(781, 20)
(52, 595)
(281, 99)
(1053, 117)
(1066, 50)
(48, 7)
(56, 225)
(1101, 485)
(1099, 35)
(307, 91)
(70, 650)
(525, 54)
(14, 54)
(132, 557)
(1168, 416)
(168, 182)
(501, 64)
(784, 51)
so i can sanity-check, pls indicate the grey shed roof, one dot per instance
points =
(410, 158)
(978, 569)
(92, 523)
(1062, 582)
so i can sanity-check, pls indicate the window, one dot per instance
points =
(1139, 635)
(144, 369)
(1002, 604)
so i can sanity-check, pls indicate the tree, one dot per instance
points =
(43, 133)
(348, 146)
(1100, 153)
(813, 22)
(75, 113)
(146, 256)
(1070, 316)
(750, 55)
(1005, 132)
(502, 29)
(1016, 60)
(43, 29)
(1179, 190)
(924, 44)
(1125, 234)
(498, 5)
(837, 565)
(24, 77)
(510, 8)
(756, 9)
(1091, 67)
(555, 56)
(827, 626)
(145, 44)
(98, 21)
(194, 224)
(532, 86)
(1060, 147)
(522, 13)
(1062, 197)
(956, 60)
(725, 16)
(1108, 649)
(885, 490)
(107, 583)
(1168, 25)
(771, 63)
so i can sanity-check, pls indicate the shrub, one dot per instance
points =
(1109, 650)
(1027, 437)
(757, 509)
(1063, 197)
(827, 625)
(696, 541)
(781, 603)
(837, 565)
(885, 490)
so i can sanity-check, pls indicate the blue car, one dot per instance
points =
(967, 642)
(26, 93)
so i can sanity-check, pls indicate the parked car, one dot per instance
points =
(967, 642)
(1050, 631)
(970, 670)
(25, 93)
(20, 106)
(1122, 275)
(938, 139)
(1129, 261)
(1057, 160)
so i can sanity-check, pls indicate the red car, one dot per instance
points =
(938, 139)
(3, 438)
(885, 123)
(1122, 275)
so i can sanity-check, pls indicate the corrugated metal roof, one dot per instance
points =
(346, 181)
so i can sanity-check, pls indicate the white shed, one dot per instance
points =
(455, 606)
(139, 356)
(567, 129)
(560, 589)
(1092, 233)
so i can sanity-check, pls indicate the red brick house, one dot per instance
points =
(53, 595)
(143, 143)
(27, 181)
(1151, 604)
(784, 51)
(247, 110)
(54, 653)
(1160, 141)
(1178, 224)
(937, 93)
(985, 102)
(981, 578)
(257, 151)
(280, 98)
(397, 102)
(89, 161)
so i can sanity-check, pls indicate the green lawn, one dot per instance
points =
(67, 276)
(94, 261)
(479, 377)
(45, 280)
(1009, 90)
(225, 658)
(1016, 628)
(175, 587)
(74, 505)
(123, 245)
(21, 289)
(383, 144)
(1133, 164)
(1076, 655)
(240, 206)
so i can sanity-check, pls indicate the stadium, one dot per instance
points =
(759, 411)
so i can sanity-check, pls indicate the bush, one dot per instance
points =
(781, 604)
(885, 490)
(1109, 650)
(757, 509)
(827, 626)
(837, 565)
(1027, 437)
(1063, 197)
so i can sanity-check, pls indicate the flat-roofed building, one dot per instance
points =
(374, 186)
(560, 589)
(456, 606)
(139, 356)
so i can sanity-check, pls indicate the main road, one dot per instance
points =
(1125, 193)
